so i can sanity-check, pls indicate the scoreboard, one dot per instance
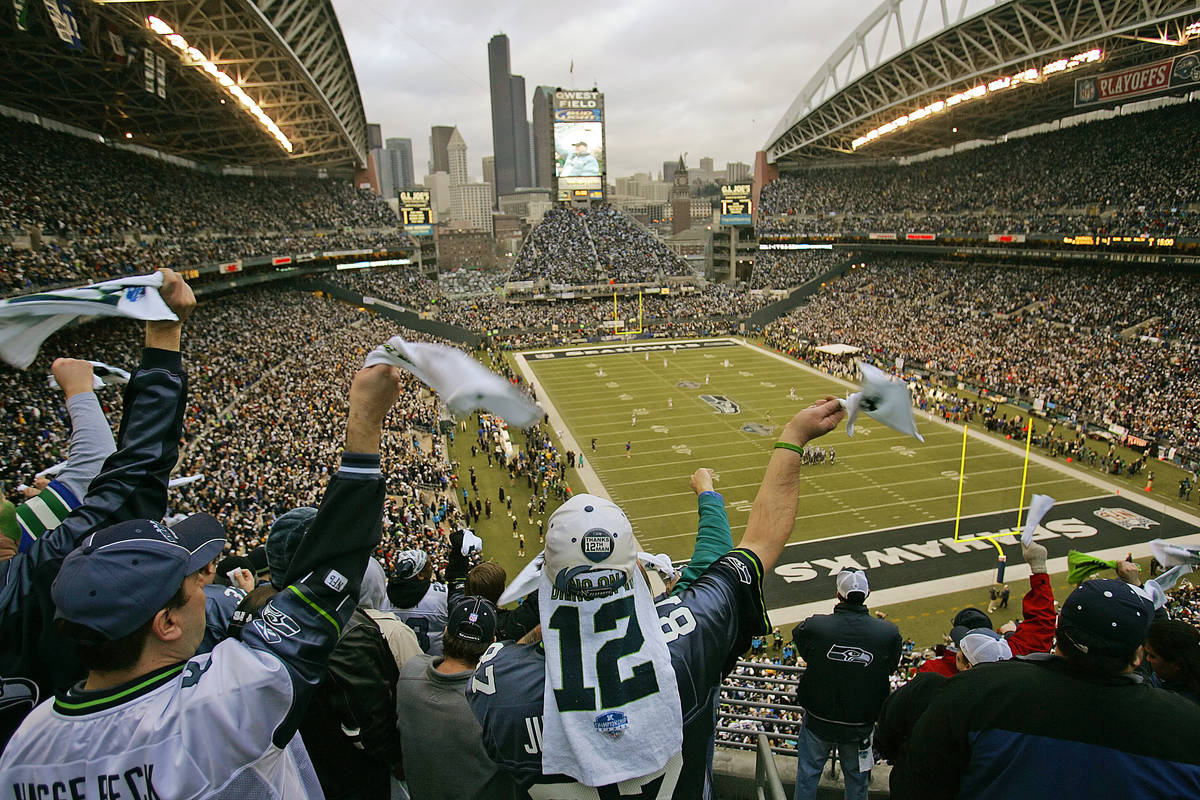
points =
(416, 212)
(736, 206)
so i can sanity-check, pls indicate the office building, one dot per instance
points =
(402, 163)
(471, 205)
(438, 184)
(439, 138)
(542, 130)
(510, 125)
(456, 151)
(374, 136)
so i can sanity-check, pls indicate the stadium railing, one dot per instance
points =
(753, 682)
(767, 784)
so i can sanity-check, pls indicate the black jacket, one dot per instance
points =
(34, 660)
(350, 727)
(849, 656)
(897, 719)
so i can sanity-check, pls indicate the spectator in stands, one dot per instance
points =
(401, 639)
(1029, 728)
(141, 620)
(1173, 652)
(848, 656)
(444, 758)
(349, 726)
(1033, 634)
(709, 624)
(905, 706)
(418, 599)
(36, 661)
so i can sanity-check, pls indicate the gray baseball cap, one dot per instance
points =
(121, 576)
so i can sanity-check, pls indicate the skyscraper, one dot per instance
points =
(439, 137)
(668, 171)
(489, 170)
(374, 136)
(543, 136)
(510, 126)
(456, 150)
(402, 163)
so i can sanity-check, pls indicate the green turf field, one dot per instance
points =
(879, 478)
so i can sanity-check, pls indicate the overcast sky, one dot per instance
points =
(706, 77)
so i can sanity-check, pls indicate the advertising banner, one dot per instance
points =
(1156, 76)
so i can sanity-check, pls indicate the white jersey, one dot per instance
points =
(173, 734)
(428, 618)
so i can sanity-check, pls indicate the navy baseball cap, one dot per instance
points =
(1106, 617)
(120, 577)
(473, 619)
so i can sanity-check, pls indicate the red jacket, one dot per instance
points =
(1034, 633)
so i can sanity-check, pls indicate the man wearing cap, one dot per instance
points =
(619, 690)
(849, 656)
(34, 660)
(1075, 723)
(905, 706)
(580, 162)
(419, 600)
(442, 741)
(1035, 631)
(151, 719)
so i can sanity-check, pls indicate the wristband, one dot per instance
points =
(795, 448)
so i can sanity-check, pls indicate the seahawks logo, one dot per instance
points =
(849, 655)
(720, 403)
(18, 694)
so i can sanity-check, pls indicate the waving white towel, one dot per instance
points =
(102, 375)
(883, 400)
(26, 322)
(463, 383)
(1038, 507)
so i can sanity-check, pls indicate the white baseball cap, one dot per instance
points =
(852, 580)
(590, 548)
(983, 646)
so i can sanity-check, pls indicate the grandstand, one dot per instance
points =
(1025, 261)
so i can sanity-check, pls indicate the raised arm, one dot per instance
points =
(133, 482)
(324, 576)
(713, 536)
(774, 513)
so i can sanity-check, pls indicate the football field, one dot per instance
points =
(883, 501)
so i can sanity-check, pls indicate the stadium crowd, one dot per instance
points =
(1140, 178)
(1069, 337)
(785, 269)
(594, 246)
(77, 210)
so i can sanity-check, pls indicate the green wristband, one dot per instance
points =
(795, 448)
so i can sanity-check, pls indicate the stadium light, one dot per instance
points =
(192, 55)
(982, 90)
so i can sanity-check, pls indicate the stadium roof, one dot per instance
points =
(912, 55)
(245, 82)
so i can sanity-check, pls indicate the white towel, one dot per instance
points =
(26, 322)
(184, 481)
(883, 400)
(1155, 590)
(1171, 554)
(1038, 507)
(601, 746)
(102, 375)
(463, 383)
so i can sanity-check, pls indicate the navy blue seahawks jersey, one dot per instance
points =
(706, 627)
(219, 604)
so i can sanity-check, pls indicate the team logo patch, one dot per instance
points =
(336, 580)
(849, 654)
(612, 724)
(1087, 90)
(688, 385)
(165, 532)
(18, 693)
(757, 429)
(1124, 517)
(742, 570)
(597, 545)
(267, 633)
(720, 403)
(279, 620)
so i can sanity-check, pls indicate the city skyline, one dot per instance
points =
(675, 78)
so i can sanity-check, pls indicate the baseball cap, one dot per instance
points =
(852, 580)
(258, 561)
(969, 619)
(982, 645)
(120, 577)
(1105, 617)
(590, 548)
(473, 619)
(409, 564)
(284, 540)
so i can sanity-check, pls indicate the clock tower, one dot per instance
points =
(681, 200)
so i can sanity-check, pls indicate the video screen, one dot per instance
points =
(578, 149)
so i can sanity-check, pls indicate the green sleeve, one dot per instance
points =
(713, 538)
